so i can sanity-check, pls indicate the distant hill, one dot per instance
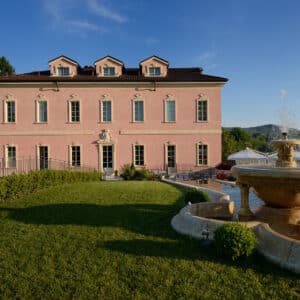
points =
(270, 130)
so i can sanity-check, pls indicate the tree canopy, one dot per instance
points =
(5, 67)
(238, 139)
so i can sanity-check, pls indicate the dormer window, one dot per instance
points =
(154, 71)
(109, 71)
(108, 66)
(63, 66)
(154, 66)
(63, 71)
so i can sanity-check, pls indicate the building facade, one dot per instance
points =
(106, 115)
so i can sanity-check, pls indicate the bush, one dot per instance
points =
(226, 165)
(221, 175)
(196, 196)
(235, 240)
(129, 172)
(20, 185)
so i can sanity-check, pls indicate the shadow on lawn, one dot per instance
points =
(147, 219)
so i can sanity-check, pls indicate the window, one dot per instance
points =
(109, 71)
(11, 160)
(171, 156)
(10, 112)
(106, 111)
(75, 156)
(74, 107)
(42, 111)
(154, 71)
(170, 111)
(63, 71)
(107, 151)
(202, 154)
(139, 155)
(201, 110)
(138, 111)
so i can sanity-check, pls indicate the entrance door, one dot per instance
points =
(107, 162)
(171, 159)
(43, 163)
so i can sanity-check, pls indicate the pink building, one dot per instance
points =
(106, 115)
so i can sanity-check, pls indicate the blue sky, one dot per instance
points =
(256, 44)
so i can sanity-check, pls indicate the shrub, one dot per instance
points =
(225, 165)
(127, 172)
(20, 185)
(221, 175)
(235, 240)
(196, 196)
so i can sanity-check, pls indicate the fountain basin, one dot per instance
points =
(277, 187)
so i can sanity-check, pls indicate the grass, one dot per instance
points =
(104, 240)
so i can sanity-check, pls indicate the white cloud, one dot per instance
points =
(151, 41)
(103, 11)
(59, 11)
(85, 25)
(207, 59)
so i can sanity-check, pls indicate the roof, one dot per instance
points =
(155, 57)
(247, 154)
(110, 57)
(65, 57)
(88, 74)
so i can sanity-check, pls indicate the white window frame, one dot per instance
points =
(166, 154)
(73, 99)
(202, 163)
(37, 109)
(153, 74)
(105, 98)
(169, 99)
(71, 155)
(9, 99)
(202, 98)
(63, 68)
(134, 101)
(109, 74)
(7, 162)
(38, 154)
(134, 155)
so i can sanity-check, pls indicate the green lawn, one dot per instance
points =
(113, 240)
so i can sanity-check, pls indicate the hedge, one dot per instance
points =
(17, 186)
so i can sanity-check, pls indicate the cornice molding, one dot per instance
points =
(131, 84)
(169, 132)
(45, 133)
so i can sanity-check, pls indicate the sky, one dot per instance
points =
(253, 43)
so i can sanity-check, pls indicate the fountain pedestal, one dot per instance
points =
(278, 187)
(244, 213)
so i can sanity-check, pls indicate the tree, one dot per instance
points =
(5, 67)
(229, 144)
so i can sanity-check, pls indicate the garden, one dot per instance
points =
(113, 240)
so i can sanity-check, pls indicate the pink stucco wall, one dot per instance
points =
(121, 97)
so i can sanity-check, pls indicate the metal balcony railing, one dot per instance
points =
(25, 165)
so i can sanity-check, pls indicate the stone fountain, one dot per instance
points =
(278, 186)
(275, 224)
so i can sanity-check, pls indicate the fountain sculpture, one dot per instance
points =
(275, 224)
(278, 186)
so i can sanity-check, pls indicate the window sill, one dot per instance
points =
(9, 123)
(40, 123)
(202, 121)
(104, 122)
(138, 122)
(73, 122)
(169, 122)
